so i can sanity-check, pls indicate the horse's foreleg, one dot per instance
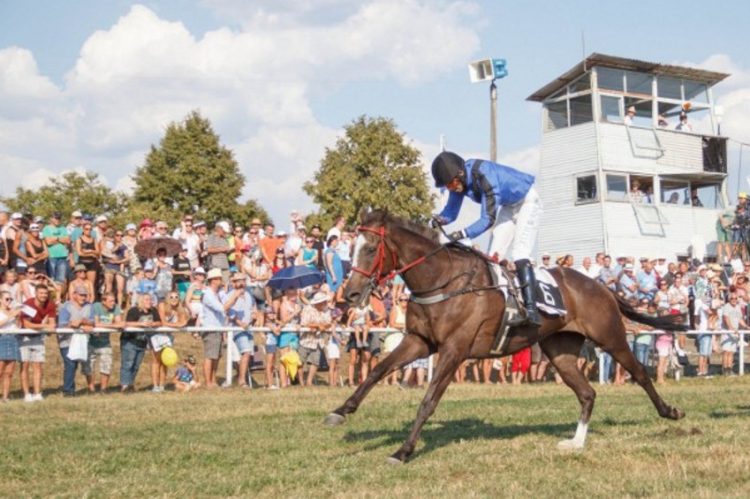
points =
(411, 347)
(562, 350)
(620, 351)
(447, 365)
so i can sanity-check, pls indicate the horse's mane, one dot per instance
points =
(383, 217)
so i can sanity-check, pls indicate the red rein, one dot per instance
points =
(376, 270)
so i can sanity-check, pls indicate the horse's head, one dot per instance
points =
(373, 259)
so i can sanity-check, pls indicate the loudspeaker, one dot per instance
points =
(487, 69)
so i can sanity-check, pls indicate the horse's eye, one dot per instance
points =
(369, 249)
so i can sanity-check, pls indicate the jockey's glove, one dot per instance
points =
(437, 221)
(457, 236)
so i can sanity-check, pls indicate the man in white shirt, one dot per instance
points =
(189, 239)
(337, 228)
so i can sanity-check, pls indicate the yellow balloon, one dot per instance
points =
(169, 357)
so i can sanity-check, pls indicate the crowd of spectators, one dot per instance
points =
(87, 274)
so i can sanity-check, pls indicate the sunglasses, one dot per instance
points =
(253, 232)
(174, 297)
(119, 234)
(8, 300)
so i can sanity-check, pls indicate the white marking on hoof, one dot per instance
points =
(334, 419)
(578, 441)
(393, 461)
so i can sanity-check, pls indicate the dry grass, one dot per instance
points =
(484, 441)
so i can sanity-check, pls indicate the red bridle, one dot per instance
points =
(376, 270)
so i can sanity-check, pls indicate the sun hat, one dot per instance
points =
(318, 297)
(130, 227)
(214, 274)
(628, 266)
(16, 216)
(76, 214)
(224, 226)
(199, 270)
(256, 221)
(79, 268)
(101, 218)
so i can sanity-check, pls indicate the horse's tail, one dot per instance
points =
(665, 322)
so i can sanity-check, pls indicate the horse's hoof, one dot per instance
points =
(334, 419)
(676, 414)
(571, 444)
(394, 461)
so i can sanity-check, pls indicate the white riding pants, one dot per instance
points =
(514, 234)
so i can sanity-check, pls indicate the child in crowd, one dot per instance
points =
(133, 284)
(270, 321)
(147, 285)
(359, 321)
(333, 348)
(185, 378)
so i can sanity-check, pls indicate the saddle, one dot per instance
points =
(549, 300)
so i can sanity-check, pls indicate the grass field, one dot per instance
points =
(483, 441)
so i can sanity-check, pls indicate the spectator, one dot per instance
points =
(185, 378)
(212, 316)
(733, 321)
(13, 287)
(172, 313)
(147, 284)
(57, 240)
(643, 340)
(608, 275)
(181, 272)
(269, 244)
(289, 315)
(239, 307)
(146, 229)
(588, 269)
(258, 273)
(38, 313)
(317, 319)
(234, 241)
(332, 349)
(417, 370)
(114, 258)
(88, 253)
(647, 280)
(9, 350)
(703, 341)
(15, 237)
(308, 255)
(295, 243)
(77, 314)
(627, 284)
(334, 267)
(218, 250)
(358, 319)
(162, 229)
(337, 229)
(344, 250)
(189, 240)
(629, 115)
(270, 321)
(397, 321)
(163, 276)
(130, 239)
(133, 344)
(107, 314)
(102, 224)
(318, 245)
(4, 255)
(279, 261)
(79, 279)
(683, 125)
(521, 364)
(546, 263)
(194, 295)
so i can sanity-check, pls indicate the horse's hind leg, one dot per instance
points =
(411, 347)
(614, 343)
(447, 364)
(563, 349)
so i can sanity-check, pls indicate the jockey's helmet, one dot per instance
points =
(447, 166)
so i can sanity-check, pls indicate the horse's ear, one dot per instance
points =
(363, 213)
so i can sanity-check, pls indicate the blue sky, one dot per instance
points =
(91, 84)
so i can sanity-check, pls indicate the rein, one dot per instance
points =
(377, 277)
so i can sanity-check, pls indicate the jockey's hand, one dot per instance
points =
(437, 221)
(456, 236)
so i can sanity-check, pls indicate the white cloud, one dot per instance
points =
(253, 83)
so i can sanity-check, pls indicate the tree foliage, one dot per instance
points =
(370, 166)
(68, 192)
(192, 172)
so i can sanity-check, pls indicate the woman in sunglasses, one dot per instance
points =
(309, 254)
(9, 351)
(173, 314)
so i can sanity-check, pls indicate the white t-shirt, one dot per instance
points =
(334, 231)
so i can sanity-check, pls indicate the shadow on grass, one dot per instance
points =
(739, 411)
(437, 434)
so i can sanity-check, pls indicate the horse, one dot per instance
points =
(465, 324)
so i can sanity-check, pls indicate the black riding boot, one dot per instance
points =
(527, 279)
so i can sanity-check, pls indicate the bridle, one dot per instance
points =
(375, 273)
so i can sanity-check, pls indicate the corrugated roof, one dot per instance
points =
(610, 61)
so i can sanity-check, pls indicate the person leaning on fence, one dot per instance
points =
(317, 319)
(212, 315)
(240, 310)
(39, 313)
(9, 350)
(133, 344)
(733, 321)
(76, 313)
(107, 314)
(172, 313)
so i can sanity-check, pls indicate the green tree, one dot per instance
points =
(68, 192)
(370, 166)
(192, 172)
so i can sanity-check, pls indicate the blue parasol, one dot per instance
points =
(296, 277)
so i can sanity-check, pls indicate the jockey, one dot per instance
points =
(511, 208)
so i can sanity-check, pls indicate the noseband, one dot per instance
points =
(375, 273)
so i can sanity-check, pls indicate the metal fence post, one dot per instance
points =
(230, 341)
(742, 353)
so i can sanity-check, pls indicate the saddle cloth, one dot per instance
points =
(549, 298)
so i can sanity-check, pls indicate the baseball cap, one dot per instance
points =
(628, 266)
(199, 270)
(79, 268)
(130, 227)
(148, 267)
(224, 226)
(76, 214)
(199, 223)
(16, 216)
(56, 214)
(101, 218)
(281, 233)
(34, 227)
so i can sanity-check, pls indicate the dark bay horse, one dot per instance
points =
(464, 325)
